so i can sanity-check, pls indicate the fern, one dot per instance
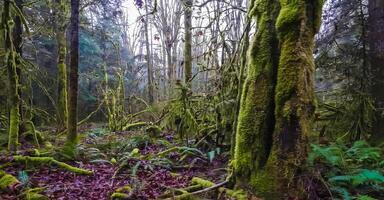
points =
(354, 172)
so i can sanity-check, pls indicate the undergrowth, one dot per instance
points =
(350, 172)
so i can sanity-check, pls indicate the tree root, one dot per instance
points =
(200, 186)
(134, 126)
(124, 192)
(50, 160)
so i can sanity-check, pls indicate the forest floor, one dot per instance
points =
(148, 166)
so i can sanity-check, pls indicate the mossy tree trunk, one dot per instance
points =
(275, 113)
(18, 44)
(256, 116)
(240, 80)
(72, 137)
(60, 7)
(296, 25)
(188, 41)
(13, 80)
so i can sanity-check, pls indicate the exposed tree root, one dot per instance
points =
(134, 125)
(50, 160)
(200, 186)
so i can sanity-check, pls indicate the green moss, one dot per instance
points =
(124, 189)
(236, 194)
(256, 116)
(291, 14)
(154, 131)
(7, 180)
(118, 195)
(50, 160)
(133, 126)
(35, 196)
(202, 182)
(62, 105)
(295, 102)
(13, 79)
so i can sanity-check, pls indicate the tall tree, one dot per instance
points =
(60, 8)
(13, 79)
(188, 41)
(72, 137)
(256, 119)
(296, 26)
(151, 95)
(273, 124)
(376, 57)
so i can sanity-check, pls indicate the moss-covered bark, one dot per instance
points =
(275, 114)
(50, 160)
(13, 79)
(188, 41)
(62, 102)
(256, 117)
(296, 25)
(72, 137)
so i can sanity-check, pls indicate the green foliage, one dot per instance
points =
(353, 116)
(351, 172)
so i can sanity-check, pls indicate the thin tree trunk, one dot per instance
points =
(256, 119)
(151, 96)
(188, 41)
(13, 80)
(18, 44)
(72, 137)
(60, 16)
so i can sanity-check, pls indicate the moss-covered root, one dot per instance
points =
(122, 193)
(7, 181)
(34, 194)
(200, 186)
(133, 126)
(50, 160)
(119, 196)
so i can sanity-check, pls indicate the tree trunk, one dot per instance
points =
(296, 25)
(72, 137)
(60, 16)
(240, 79)
(13, 79)
(256, 119)
(151, 96)
(273, 123)
(376, 57)
(188, 41)
(18, 44)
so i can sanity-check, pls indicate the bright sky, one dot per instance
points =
(131, 10)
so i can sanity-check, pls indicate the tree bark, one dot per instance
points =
(256, 118)
(62, 88)
(278, 100)
(376, 57)
(13, 79)
(151, 96)
(72, 137)
(18, 44)
(188, 41)
(296, 25)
